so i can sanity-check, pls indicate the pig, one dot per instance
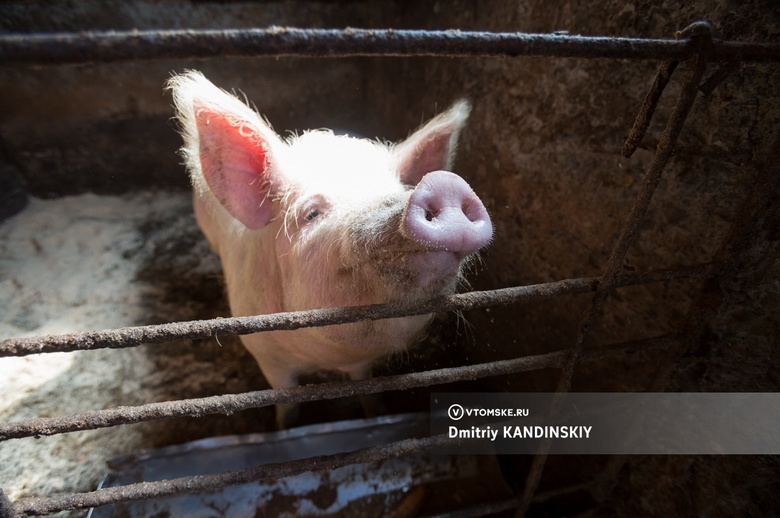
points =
(322, 220)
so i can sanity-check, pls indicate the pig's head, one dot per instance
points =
(320, 220)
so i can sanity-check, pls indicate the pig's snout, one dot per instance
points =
(443, 213)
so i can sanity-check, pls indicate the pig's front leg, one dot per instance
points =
(280, 376)
(287, 415)
(372, 404)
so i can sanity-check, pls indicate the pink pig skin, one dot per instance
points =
(320, 220)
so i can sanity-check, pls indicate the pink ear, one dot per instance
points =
(432, 147)
(236, 162)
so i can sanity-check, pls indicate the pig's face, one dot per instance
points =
(322, 220)
(342, 208)
(341, 233)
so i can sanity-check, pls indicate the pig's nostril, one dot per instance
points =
(443, 213)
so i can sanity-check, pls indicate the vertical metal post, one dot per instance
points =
(664, 150)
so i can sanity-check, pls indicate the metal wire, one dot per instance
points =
(156, 334)
(736, 242)
(696, 40)
(231, 403)
(51, 49)
(38, 506)
(644, 196)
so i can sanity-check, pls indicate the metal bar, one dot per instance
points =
(646, 111)
(720, 75)
(638, 211)
(650, 182)
(64, 48)
(38, 506)
(231, 403)
(740, 236)
(154, 334)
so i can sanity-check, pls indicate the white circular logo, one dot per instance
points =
(456, 412)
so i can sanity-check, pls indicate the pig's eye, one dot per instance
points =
(313, 207)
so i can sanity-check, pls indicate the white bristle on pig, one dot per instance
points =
(320, 220)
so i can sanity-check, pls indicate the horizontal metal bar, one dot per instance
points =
(37, 506)
(196, 329)
(84, 47)
(231, 403)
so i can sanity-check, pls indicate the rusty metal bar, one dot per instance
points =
(740, 236)
(638, 211)
(155, 334)
(86, 47)
(720, 75)
(231, 403)
(663, 152)
(646, 111)
(38, 506)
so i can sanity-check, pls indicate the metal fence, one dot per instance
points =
(694, 46)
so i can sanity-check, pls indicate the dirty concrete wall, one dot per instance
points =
(542, 149)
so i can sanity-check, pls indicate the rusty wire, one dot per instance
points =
(103, 47)
(231, 403)
(710, 296)
(648, 107)
(85, 47)
(160, 333)
(37, 506)
(697, 66)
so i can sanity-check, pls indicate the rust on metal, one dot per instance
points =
(695, 43)
(38, 506)
(97, 47)
(231, 403)
(47, 505)
(717, 77)
(160, 333)
(664, 150)
(646, 111)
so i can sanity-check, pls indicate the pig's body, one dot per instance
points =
(266, 272)
(326, 221)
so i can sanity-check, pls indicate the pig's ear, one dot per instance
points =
(229, 149)
(432, 147)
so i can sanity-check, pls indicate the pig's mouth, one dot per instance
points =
(435, 263)
(424, 272)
